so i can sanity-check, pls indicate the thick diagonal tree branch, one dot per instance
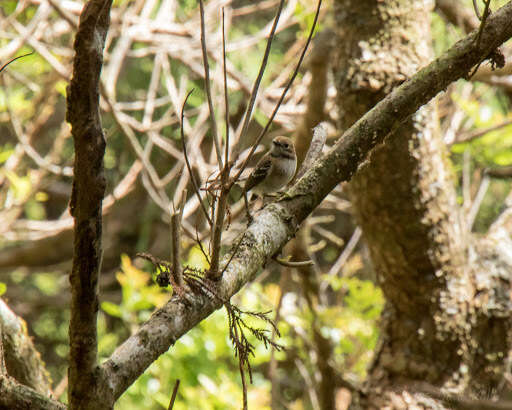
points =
(278, 222)
(83, 114)
(17, 396)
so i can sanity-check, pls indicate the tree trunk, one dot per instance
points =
(404, 199)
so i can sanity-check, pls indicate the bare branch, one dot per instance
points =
(482, 18)
(176, 241)
(470, 136)
(285, 91)
(207, 87)
(256, 86)
(226, 99)
(192, 178)
(343, 258)
(475, 206)
(174, 393)
(315, 149)
(14, 59)
(3, 369)
(218, 227)
(293, 264)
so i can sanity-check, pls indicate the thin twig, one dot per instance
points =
(226, 99)
(201, 248)
(207, 87)
(254, 92)
(499, 172)
(315, 148)
(224, 179)
(292, 264)
(466, 179)
(342, 260)
(480, 133)
(14, 59)
(61, 387)
(241, 368)
(176, 242)
(194, 183)
(475, 206)
(174, 393)
(288, 85)
(313, 397)
(477, 12)
(233, 254)
(218, 226)
(483, 19)
(3, 368)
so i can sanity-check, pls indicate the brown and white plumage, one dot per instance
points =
(274, 170)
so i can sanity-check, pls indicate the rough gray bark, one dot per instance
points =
(404, 198)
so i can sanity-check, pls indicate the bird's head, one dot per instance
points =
(283, 146)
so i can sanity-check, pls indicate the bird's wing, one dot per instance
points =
(261, 170)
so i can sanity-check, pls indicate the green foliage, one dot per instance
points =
(139, 296)
(202, 359)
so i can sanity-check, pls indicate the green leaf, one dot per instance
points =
(111, 309)
(142, 305)
(3, 288)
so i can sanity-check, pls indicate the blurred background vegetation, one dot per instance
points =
(140, 115)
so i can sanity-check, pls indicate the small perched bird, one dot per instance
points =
(273, 171)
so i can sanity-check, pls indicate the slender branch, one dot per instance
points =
(293, 264)
(207, 87)
(256, 86)
(477, 12)
(233, 253)
(483, 19)
(221, 209)
(241, 369)
(3, 369)
(285, 91)
(174, 393)
(189, 168)
(315, 149)
(14, 59)
(475, 206)
(468, 137)
(226, 99)
(176, 242)
(499, 172)
(343, 258)
(277, 223)
(214, 273)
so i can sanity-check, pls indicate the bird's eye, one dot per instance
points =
(286, 145)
